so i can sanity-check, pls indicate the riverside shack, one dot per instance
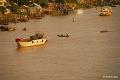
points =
(35, 10)
(3, 2)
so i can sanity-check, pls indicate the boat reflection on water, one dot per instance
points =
(30, 49)
(80, 11)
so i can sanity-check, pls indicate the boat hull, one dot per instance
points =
(36, 42)
(105, 11)
(105, 14)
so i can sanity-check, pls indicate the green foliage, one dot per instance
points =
(23, 2)
(85, 5)
(66, 1)
(41, 2)
(2, 9)
(71, 1)
(13, 7)
(60, 1)
(98, 2)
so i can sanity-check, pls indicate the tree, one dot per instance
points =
(41, 2)
(21, 2)
(13, 7)
(71, 1)
(2, 9)
(60, 1)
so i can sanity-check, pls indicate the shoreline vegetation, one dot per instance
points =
(22, 12)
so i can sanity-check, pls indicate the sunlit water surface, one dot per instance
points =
(86, 55)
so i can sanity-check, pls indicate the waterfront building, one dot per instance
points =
(3, 2)
(35, 10)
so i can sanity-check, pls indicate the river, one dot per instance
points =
(86, 55)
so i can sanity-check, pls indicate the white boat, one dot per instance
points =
(34, 40)
(105, 11)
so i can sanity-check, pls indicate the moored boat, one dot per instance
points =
(105, 11)
(34, 40)
(6, 28)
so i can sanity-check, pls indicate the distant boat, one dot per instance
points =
(34, 40)
(38, 17)
(24, 29)
(103, 31)
(105, 11)
(6, 28)
(63, 35)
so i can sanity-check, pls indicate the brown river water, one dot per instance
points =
(86, 55)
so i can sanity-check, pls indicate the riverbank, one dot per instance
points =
(25, 13)
(35, 11)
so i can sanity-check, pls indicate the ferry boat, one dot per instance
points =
(105, 11)
(34, 40)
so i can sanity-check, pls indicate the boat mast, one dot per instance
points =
(101, 4)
